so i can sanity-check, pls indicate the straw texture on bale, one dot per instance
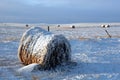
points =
(44, 48)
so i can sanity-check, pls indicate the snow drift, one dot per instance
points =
(29, 68)
(44, 48)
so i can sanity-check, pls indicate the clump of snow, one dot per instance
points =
(44, 48)
(29, 68)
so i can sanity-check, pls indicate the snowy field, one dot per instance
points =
(97, 56)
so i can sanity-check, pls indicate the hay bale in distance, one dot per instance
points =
(58, 25)
(105, 26)
(44, 48)
(27, 25)
(73, 26)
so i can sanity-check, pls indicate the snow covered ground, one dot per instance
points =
(97, 56)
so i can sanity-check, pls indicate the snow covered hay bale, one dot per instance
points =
(44, 48)
(103, 26)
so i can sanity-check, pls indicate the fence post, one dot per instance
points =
(108, 34)
(48, 28)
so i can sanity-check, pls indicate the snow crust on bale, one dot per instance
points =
(44, 48)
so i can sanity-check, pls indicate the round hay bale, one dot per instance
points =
(103, 26)
(44, 48)
(107, 26)
(27, 25)
(58, 25)
(73, 26)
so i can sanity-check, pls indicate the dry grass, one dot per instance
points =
(35, 77)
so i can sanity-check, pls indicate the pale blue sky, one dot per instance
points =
(59, 11)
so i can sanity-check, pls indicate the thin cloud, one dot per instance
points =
(47, 3)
